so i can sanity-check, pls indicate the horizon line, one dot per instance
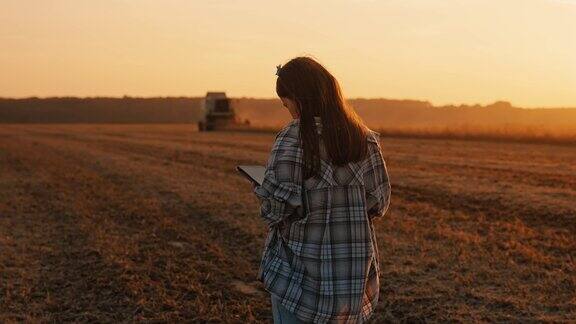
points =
(275, 98)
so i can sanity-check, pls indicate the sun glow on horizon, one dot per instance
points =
(446, 52)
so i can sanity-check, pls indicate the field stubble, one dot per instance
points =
(151, 222)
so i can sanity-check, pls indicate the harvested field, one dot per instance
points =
(109, 223)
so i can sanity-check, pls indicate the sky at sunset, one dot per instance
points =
(443, 51)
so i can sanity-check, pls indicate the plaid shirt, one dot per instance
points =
(323, 266)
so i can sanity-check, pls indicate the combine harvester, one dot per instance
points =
(218, 113)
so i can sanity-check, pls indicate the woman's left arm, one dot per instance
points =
(280, 192)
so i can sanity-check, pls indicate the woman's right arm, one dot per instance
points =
(279, 193)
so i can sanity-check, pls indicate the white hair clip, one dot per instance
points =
(278, 67)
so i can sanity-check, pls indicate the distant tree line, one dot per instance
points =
(377, 112)
(99, 110)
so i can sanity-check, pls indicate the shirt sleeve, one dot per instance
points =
(377, 183)
(280, 192)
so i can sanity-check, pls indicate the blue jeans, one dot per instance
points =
(281, 314)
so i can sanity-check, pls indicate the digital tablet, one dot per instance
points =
(254, 173)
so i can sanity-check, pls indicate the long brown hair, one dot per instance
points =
(317, 93)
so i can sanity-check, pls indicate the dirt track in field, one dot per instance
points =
(151, 222)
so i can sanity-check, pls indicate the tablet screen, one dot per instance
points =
(254, 173)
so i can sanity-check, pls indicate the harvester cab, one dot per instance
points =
(216, 112)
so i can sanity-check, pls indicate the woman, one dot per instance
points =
(325, 182)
